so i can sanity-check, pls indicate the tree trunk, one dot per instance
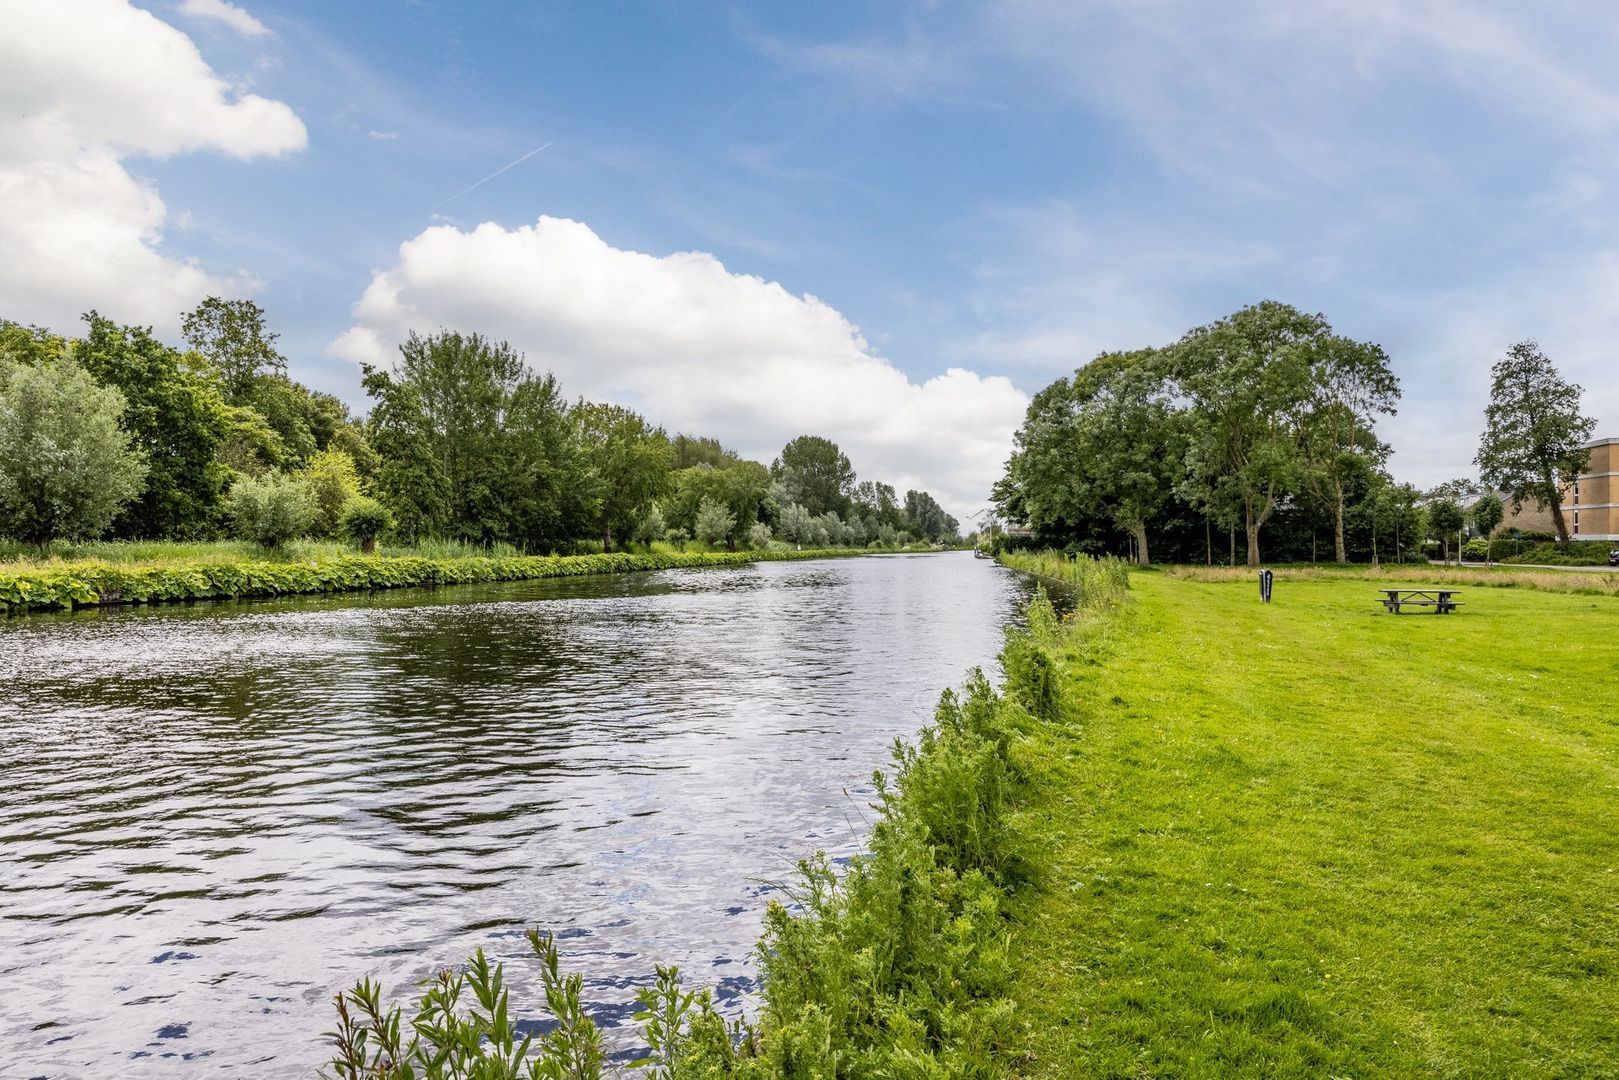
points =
(607, 539)
(1374, 543)
(368, 546)
(1252, 523)
(1231, 532)
(1339, 551)
(1138, 529)
(1208, 541)
(1557, 520)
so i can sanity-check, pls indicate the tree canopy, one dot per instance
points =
(1534, 433)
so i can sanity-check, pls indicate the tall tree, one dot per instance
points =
(1351, 385)
(66, 466)
(1534, 436)
(1128, 440)
(232, 336)
(630, 461)
(1446, 519)
(177, 420)
(473, 444)
(1247, 380)
(816, 474)
(927, 520)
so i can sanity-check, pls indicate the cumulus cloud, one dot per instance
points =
(229, 14)
(696, 347)
(89, 84)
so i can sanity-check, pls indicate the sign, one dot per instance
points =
(1266, 578)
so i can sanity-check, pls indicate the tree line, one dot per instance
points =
(1263, 423)
(117, 433)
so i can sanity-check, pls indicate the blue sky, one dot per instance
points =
(1001, 190)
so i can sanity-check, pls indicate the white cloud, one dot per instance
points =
(696, 348)
(382, 136)
(88, 84)
(229, 14)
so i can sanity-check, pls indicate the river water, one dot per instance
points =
(214, 817)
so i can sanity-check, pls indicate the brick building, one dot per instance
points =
(1592, 501)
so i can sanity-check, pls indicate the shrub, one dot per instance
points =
(714, 521)
(270, 510)
(332, 482)
(1476, 550)
(678, 538)
(759, 536)
(66, 464)
(363, 520)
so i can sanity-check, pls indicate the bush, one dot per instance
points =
(714, 521)
(101, 583)
(363, 520)
(1476, 550)
(66, 465)
(332, 482)
(270, 510)
(759, 536)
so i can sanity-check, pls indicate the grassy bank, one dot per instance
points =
(221, 573)
(1312, 839)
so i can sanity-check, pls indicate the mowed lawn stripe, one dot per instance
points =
(1316, 839)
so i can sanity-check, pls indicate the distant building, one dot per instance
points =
(1590, 503)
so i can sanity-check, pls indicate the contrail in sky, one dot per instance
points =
(497, 172)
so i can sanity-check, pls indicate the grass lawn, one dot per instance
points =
(1317, 840)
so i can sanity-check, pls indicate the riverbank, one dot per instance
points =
(91, 583)
(1311, 839)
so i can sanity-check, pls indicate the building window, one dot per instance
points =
(1576, 521)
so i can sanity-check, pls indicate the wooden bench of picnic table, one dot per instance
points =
(1397, 600)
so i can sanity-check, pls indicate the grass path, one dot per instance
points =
(1316, 840)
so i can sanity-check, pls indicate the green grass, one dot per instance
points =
(1316, 840)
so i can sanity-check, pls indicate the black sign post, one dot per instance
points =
(1266, 578)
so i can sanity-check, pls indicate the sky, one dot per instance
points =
(888, 224)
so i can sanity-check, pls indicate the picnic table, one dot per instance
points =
(1440, 600)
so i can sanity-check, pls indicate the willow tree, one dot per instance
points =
(1534, 436)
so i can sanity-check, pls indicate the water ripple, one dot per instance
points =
(215, 817)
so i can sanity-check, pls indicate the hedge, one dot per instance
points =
(92, 584)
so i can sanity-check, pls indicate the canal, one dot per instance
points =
(214, 817)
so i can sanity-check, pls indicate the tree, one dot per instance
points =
(1350, 386)
(1445, 518)
(176, 418)
(629, 460)
(652, 526)
(692, 450)
(474, 446)
(927, 519)
(759, 536)
(332, 482)
(1534, 436)
(232, 336)
(816, 474)
(66, 466)
(714, 522)
(271, 510)
(743, 488)
(1248, 382)
(363, 520)
(1488, 513)
(1111, 440)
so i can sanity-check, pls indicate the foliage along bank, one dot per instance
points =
(898, 967)
(91, 584)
